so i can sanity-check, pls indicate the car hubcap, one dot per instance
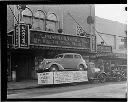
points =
(81, 68)
(53, 69)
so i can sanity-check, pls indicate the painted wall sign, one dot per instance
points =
(62, 77)
(24, 35)
(52, 39)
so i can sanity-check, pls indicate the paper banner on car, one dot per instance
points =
(70, 76)
(45, 78)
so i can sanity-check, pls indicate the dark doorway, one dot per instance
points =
(23, 70)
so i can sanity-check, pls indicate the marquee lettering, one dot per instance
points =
(58, 40)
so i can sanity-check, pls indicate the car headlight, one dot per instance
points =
(47, 62)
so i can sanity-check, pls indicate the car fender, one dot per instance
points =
(54, 63)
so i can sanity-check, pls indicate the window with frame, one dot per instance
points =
(38, 20)
(68, 56)
(51, 23)
(27, 16)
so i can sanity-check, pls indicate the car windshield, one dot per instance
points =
(58, 56)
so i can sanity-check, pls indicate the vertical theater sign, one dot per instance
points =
(21, 36)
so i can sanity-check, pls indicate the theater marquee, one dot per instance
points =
(30, 39)
(58, 40)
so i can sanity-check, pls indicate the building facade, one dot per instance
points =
(114, 34)
(36, 32)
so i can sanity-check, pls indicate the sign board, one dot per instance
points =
(24, 35)
(45, 78)
(21, 36)
(70, 76)
(121, 55)
(62, 77)
(103, 48)
(58, 40)
(93, 43)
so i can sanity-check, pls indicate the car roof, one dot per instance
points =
(69, 53)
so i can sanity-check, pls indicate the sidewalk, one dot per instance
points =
(22, 85)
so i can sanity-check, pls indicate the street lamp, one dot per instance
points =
(21, 8)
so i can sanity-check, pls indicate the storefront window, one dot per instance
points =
(51, 23)
(38, 21)
(27, 16)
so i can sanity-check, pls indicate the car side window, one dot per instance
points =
(77, 56)
(68, 56)
(59, 56)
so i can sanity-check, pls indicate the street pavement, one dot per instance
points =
(114, 90)
(106, 91)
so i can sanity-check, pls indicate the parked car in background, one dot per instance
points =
(64, 61)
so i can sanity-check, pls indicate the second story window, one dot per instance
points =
(51, 23)
(38, 21)
(27, 16)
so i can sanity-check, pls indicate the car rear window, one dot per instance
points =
(77, 56)
(68, 56)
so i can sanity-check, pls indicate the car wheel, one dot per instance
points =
(53, 68)
(81, 67)
(102, 78)
(118, 78)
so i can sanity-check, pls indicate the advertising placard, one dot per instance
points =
(45, 78)
(70, 76)
(63, 77)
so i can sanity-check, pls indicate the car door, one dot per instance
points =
(77, 60)
(68, 61)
